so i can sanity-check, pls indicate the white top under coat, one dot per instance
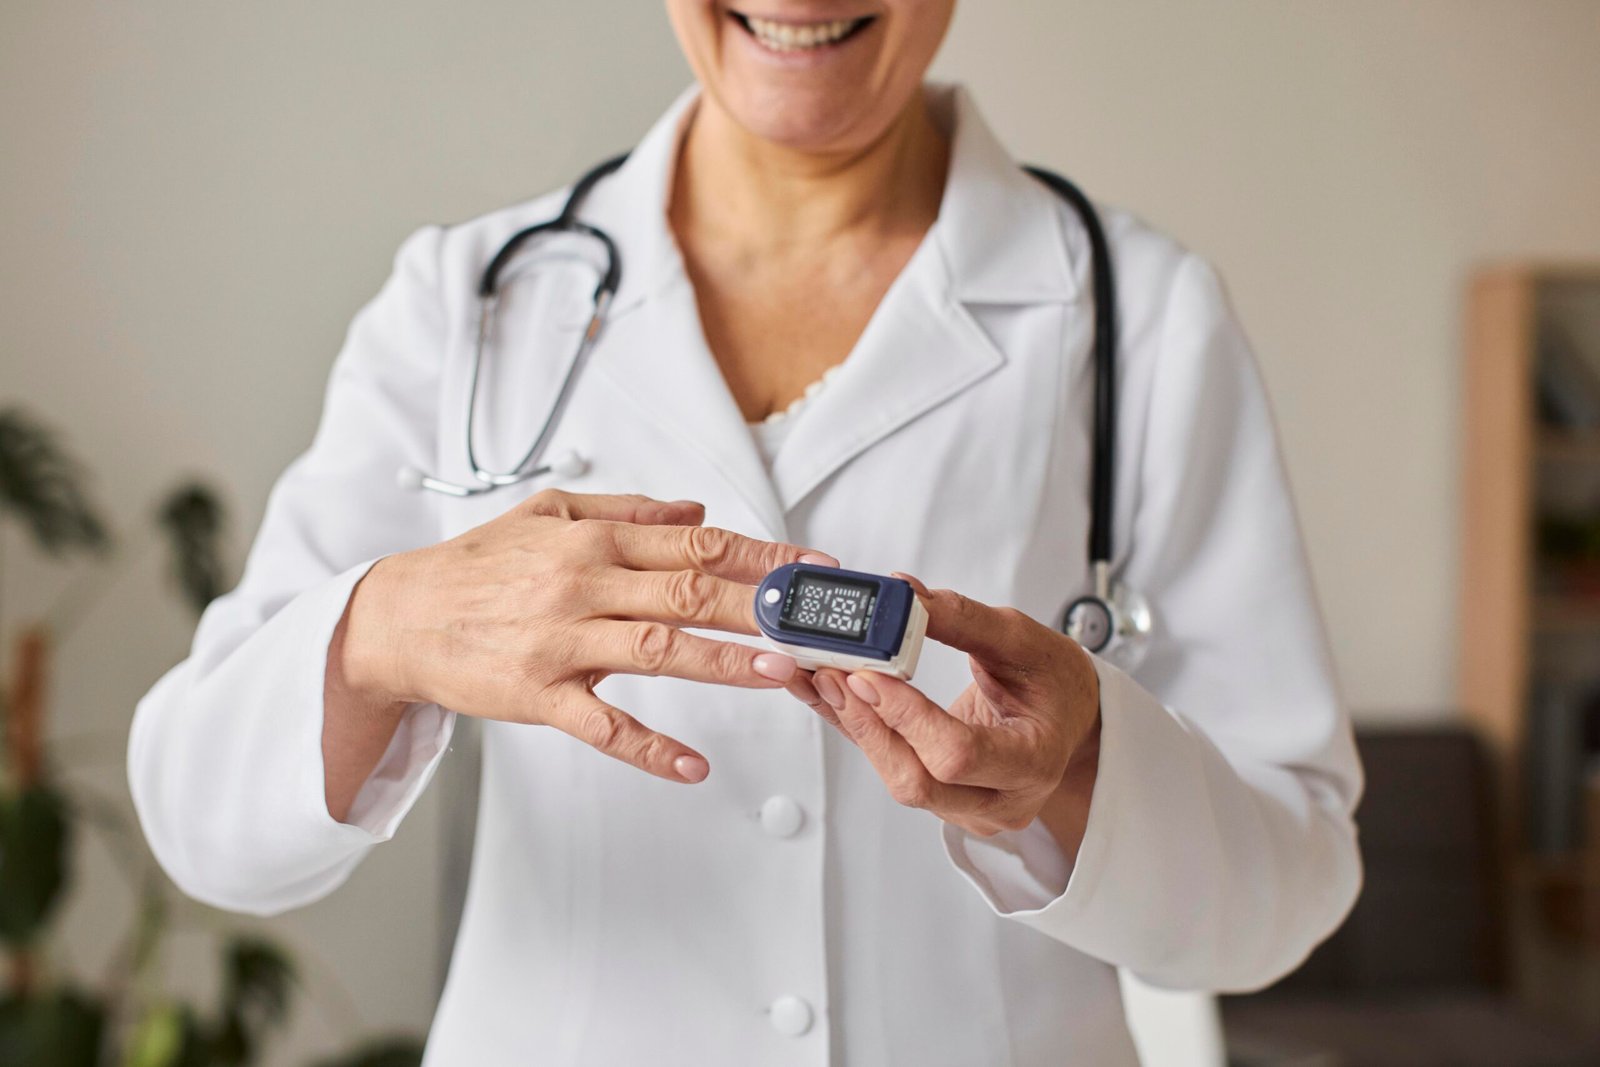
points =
(614, 918)
(772, 431)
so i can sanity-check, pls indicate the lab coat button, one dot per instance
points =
(791, 1016)
(781, 816)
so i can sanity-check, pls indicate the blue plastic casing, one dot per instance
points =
(886, 628)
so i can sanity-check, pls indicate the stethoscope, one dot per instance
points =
(1110, 620)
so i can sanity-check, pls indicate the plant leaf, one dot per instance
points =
(193, 518)
(44, 487)
(388, 1052)
(255, 994)
(34, 841)
(162, 1038)
(58, 1029)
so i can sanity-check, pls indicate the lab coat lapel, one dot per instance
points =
(998, 240)
(920, 349)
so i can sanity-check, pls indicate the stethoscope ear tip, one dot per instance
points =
(409, 479)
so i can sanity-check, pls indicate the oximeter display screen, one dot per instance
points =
(822, 604)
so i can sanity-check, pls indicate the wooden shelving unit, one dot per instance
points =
(1511, 618)
(1496, 595)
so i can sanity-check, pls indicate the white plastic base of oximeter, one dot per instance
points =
(903, 666)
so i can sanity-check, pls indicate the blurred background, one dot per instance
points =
(1404, 200)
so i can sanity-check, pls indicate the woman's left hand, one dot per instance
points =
(1020, 743)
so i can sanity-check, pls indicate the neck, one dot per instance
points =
(733, 187)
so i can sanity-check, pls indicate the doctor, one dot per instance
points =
(848, 328)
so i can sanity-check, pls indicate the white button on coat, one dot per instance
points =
(1219, 846)
(782, 816)
(791, 1016)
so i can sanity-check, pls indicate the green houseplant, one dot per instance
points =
(128, 1019)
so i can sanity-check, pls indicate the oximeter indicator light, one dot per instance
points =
(828, 617)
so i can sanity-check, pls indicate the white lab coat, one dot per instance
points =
(614, 918)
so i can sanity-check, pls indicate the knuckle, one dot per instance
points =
(651, 751)
(707, 545)
(652, 644)
(952, 762)
(911, 790)
(601, 727)
(585, 534)
(597, 538)
(728, 660)
(550, 502)
(688, 594)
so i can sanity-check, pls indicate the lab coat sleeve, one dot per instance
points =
(1220, 846)
(225, 753)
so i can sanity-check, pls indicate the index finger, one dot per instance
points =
(989, 633)
(953, 750)
(709, 549)
(615, 507)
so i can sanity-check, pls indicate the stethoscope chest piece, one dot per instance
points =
(1115, 627)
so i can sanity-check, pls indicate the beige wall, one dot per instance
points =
(194, 198)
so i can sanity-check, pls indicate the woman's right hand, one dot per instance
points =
(520, 618)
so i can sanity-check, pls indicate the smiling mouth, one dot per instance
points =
(800, 36)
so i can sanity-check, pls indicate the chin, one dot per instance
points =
(822, 123)
(824, 76)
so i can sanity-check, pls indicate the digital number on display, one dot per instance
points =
(833, 606)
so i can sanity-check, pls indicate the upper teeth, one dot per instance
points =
(790, 36)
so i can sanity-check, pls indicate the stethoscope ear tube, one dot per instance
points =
(569, 464)
(1102, 488)
(566, 222)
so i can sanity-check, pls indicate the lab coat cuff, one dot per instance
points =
(1015, 870)
(1095, 907)
(407, 764)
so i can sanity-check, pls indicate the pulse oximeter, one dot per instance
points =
(827, 617)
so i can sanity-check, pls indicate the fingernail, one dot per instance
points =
(775, 665)
(819, 559)
(862, 688)
(910, 579)
(805, 692)
(691, 768)
(829, 690)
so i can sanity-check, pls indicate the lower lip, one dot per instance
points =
(802, 57)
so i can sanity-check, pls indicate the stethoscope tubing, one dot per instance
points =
(1102, 473)
(1102, 469)
(528, 467)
